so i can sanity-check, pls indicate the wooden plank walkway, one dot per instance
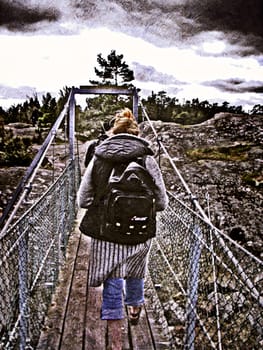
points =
(73, 320)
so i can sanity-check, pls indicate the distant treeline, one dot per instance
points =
(92, 118)
(162, 107)
(17, 150)
(35, 111)
(159, 107)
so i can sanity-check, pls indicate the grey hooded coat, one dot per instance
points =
(109, 259)
(116, 149)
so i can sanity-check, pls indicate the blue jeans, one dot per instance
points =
(112, 302)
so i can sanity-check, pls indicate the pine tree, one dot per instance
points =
(112, 69)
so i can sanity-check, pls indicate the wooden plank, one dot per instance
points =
(141, 334)
(159, 327)
(73, 320)
(52, 330)
(98, 335)
(160, 340)
(75, 317)
(126, 341)
(95, 328)
(125, 336)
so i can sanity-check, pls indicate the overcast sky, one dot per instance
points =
(206, 49)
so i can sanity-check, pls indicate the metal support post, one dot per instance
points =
(192, 293)
(23, 290)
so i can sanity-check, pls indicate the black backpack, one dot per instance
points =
(127, 208)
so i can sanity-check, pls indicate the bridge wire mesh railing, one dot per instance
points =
(32, 252)
(208, 287)
(34, 239)
(209, 299)
(45, 152)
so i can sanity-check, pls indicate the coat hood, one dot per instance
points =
(123, 147)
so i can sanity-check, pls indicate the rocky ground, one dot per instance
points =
(53, 164)
(220, 160)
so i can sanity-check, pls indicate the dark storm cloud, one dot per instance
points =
(240, 20)
(150, 74)
(236, 85)
(162, 22)
(20, 16)
(239, 15)
(179, 22)
(154, 21)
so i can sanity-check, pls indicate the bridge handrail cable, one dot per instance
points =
(31, 172)
(194, 267)
(200, 242)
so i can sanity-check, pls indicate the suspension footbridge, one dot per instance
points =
(203, 290)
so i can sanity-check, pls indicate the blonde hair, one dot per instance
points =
(125, 122)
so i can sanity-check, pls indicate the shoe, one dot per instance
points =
(134, 314)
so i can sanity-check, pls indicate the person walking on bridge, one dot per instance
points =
(119, 261)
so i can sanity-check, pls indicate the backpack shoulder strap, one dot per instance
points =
(141, 160)
(100, 176)
(91, 148)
